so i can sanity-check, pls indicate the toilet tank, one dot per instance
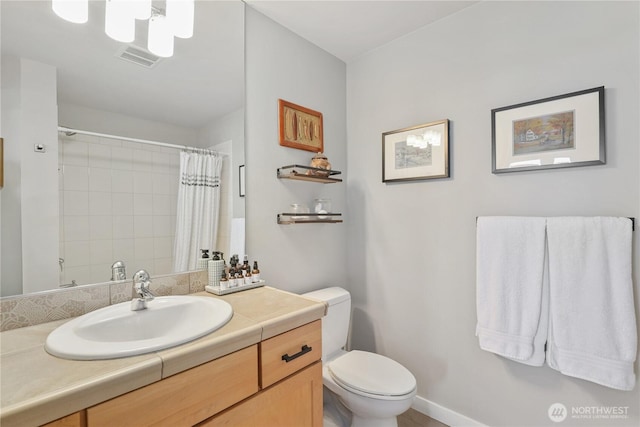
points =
(335, 325)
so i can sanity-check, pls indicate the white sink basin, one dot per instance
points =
(117, 331)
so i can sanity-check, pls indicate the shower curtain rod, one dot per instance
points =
(142, 141)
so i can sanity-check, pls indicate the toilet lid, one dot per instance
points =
(372, 373)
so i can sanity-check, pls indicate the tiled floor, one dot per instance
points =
(413, 418)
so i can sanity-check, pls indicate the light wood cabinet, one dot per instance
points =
(277, 382)
(287, 353)
(294, 402)
(78, 419)
(186, 398)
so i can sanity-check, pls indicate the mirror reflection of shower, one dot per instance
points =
(118, 203)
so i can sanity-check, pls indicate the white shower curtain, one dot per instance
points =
(198, 207)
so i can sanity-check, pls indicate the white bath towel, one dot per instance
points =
(511, 294)
(592, 327)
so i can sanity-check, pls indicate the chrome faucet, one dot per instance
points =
(118, 271)
(141, 282)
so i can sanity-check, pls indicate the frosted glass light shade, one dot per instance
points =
(76, 11)
(180, 15)
(120, 21)
(142, 9)
(160, 36)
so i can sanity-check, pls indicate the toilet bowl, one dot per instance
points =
(373, 388)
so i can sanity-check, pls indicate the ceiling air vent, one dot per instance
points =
(138, 56)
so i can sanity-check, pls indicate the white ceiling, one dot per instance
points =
(347, 29)
(205, 77)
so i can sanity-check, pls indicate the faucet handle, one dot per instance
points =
(141, 276)
(141, 282)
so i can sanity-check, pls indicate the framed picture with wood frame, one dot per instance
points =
(300, 127)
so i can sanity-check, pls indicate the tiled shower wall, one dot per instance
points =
(117, 203)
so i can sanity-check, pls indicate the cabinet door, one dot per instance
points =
(79, 419)
(294, 402)
(186, 398)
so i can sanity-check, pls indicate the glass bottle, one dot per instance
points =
(255, 273)
(224, 282)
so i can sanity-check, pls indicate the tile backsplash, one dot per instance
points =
(32, 309)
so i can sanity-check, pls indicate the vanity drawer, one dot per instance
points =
(185, 398)
(287, 353)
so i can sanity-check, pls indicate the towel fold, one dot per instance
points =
(592, 327)
(512, 293)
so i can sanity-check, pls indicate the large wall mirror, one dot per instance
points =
(114, 196)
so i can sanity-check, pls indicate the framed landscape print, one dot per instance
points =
(416, 153)
(558, 132)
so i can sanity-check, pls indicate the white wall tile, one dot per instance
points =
(101, 227)
(162, 247)
(75, 153)
(162, 204)
(76, 202)
(100, 203)
(143, 204)
(163, 265)
(124, 250)
(77, 253)
(121, 158)
(101, 253)
(100, 272)
(142, 182)
(122, 181)
(142, 226)
(99, 179)
(122, 203)
(162, 226)
(123, 226)
(75, 178)
(143, 248)
(76, 227)
(142, 160)
(163, 183)
(81, 274)
(100, 156)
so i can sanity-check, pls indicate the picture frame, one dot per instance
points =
(416, 153)
(300, 127)
(241, 184)
(557, 132)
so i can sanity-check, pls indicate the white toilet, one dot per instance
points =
(374, 388)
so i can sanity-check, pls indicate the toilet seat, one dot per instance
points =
(371, 374)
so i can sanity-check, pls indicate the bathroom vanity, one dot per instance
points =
(262, 368)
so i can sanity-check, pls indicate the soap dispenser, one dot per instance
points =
(203, 262)
(215, 269)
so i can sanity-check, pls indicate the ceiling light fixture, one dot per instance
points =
(120, 20)
(160, 36)
(121, 15)
(180, 17)
(76, 11)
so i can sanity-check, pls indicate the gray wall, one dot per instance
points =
(280, 64)
(412, 245)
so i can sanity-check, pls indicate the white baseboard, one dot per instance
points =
(442, 414)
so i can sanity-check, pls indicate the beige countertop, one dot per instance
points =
(36, 388)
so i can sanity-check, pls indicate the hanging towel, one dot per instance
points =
(511, 290)
(592, 327)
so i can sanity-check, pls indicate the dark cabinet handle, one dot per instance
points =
(304, 350)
